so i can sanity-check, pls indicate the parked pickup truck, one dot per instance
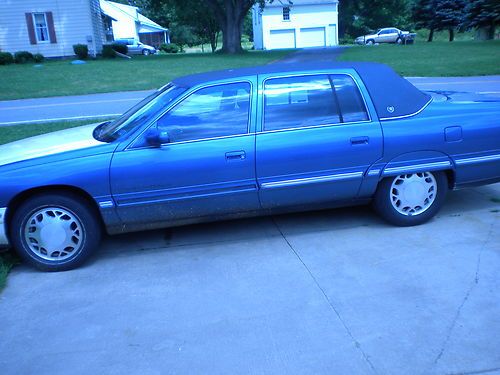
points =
(387, 35)
(246, 142)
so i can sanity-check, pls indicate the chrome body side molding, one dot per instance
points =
(310, 180)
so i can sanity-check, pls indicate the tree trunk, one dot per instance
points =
(431, 36)
(213, 41)
(491, 30)
(231, 36)
(452, 35)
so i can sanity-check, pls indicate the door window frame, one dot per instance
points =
(180, 100)
(328, 74)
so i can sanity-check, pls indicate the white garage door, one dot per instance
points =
(282, 39)
(312, 37)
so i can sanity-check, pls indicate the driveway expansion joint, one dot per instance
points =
(332, 307)
(473, 284)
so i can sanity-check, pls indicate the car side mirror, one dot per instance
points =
(157, 138)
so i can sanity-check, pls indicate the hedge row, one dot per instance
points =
(20, 57)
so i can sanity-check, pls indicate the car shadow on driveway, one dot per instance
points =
(458, 203)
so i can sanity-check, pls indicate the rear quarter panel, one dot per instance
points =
(463, 137)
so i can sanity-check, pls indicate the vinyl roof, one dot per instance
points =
(392, 95)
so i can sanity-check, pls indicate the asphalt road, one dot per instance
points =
(332, 292)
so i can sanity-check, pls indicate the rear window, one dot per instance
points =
(305, 101)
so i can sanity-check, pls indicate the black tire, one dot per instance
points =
(399, 41)
(145, 52)
(370, 42)
(384, 207)
(80, 218)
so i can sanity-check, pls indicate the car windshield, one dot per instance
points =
(142, 112)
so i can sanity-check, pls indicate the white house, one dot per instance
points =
(50, 27)
(296, 24)
(125, 22)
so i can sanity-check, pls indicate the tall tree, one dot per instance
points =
(482, 14)
(212, 16)
(230, 15)
(361, 16)
(424, 16)
(449, 15)
(196, 15)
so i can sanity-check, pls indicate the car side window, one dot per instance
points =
(214, 111)
(351, 102)
(302, 101)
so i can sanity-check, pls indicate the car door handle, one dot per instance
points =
(360, 140)
(235, 155)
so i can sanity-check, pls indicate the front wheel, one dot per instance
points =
(145, 52)
(411, 199)
(55, 232)
(370, 42)
(399, 41)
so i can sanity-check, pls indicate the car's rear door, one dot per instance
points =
(206, 170)
(316, 141)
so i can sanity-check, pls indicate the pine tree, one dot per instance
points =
(424, 16)
(449, 15)
(482, 14)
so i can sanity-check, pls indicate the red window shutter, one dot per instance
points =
(52, 30)
(31, 27)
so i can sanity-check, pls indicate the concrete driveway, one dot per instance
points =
(331, 292)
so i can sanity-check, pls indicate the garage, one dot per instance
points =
(282, 39)
(312, 37)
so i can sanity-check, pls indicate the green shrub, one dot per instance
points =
(170, 48)
(6, 58)
(108, 52)
(38, 57)
(22, 57)
(120, 48)
(346, 39)
(81, 51)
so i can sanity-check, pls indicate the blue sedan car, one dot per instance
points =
(245, 142)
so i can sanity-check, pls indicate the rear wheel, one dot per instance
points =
(55, 232)
(411, 199)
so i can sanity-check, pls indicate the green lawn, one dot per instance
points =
(463, 58)
(58, 78)
(16, 132)
(7, 261)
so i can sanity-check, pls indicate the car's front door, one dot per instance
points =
(207, 168)
(317, 140)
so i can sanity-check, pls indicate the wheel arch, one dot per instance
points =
(66, 189)
(421, 161)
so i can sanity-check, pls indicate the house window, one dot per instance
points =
(41, 27)
(286, 13)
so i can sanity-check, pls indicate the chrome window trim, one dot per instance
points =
(406, 116)
(477, 159)
(262, 127)
(422, 166)
(186, 95)
(313, 127)
(4, 241)
(310, 180)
